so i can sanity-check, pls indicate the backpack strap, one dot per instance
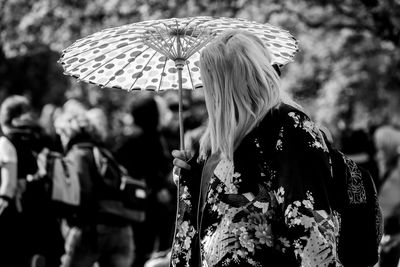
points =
(100, 161)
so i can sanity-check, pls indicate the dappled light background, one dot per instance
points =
(346, 76)
(348, 64)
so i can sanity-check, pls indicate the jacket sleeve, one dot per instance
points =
(190, 182)
(185, 244)
(304, 173)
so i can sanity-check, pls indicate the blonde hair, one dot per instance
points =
(240, 87)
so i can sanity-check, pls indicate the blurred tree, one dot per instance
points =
(349, 54)
(28, 27)
(349, 49)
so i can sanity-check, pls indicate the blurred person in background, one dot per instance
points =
(387, 141)
(74, 106)
(31, 234)
(47, 117)
(197, 111)
(99, 120)
(356, 142)
(197, 121)
(9, 214)
(170, 130)
(144, 155)
(90, 235)
(166, 115)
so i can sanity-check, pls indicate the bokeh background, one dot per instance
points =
(346, 75)
(346, 72)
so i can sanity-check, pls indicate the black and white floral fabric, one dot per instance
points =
(267, 207)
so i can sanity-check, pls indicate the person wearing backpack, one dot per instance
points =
(260, 192)
(144, 156)
(91, 235)
(32, 226)
(9, 215)
(387, 141)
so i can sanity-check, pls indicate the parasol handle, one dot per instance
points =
(179, 66)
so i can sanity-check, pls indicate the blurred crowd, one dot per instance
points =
(34, 232)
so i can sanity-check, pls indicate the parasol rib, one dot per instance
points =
(130, 89)
(187, 25)
(159, 46)
(196, 42)
(190, 75)
(170, 41)
(166, 44)
(203, 40)
(162, 76)
(129, 62)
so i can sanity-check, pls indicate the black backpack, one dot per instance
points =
(119, 194)
(352, 193)
(59, 176)
(354, 196)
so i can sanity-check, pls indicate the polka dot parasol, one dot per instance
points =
(143, 55)
(161, 54)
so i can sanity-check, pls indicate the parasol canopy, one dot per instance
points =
(161, 54)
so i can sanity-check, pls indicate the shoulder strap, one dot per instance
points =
(100, 161)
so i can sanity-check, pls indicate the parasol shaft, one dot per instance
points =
(179, 62)
(181, 130)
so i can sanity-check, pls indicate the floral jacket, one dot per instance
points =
(267, 207)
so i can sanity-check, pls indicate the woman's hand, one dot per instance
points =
(180, 158)
(180, 162)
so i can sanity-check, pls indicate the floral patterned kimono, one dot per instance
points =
(267, 207)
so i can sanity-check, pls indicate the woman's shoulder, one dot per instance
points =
(288, 116)
(283, 114)
(294, 126)
(291, 115)
(283, 117)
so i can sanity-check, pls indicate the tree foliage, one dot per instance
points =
(350, 55)
(349, 49)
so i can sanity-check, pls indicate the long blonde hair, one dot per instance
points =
(240, 87)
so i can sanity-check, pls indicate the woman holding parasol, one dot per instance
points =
(261, 172)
